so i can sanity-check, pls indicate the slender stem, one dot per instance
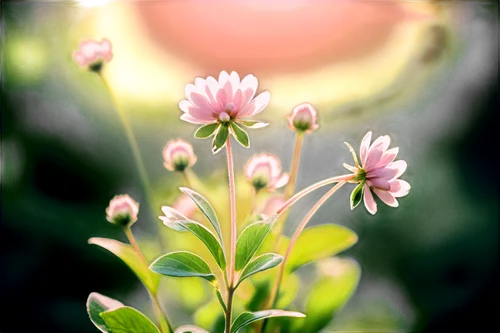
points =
(232, 201)
(290, 187)
(187, 181)
(135, 149)
(276, 287)
(165, 325)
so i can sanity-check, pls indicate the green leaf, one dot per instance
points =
(128, 320)
(128, 255)
(220, 138)
(189, 329)
(97, 303)
(337, 282)
(357, 195)
(205, 208)
(250, 240)
(247, 318)
(240, 135)
(206, 236)
(205, 131)
(254, 124)
(320, 242)
(183, 264)
(259, 264)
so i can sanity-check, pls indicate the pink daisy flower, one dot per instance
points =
(264, 171)
(178, 155)
(92, 54)
(122, 210)
(304, 118)
(223, 106)
(377, 172)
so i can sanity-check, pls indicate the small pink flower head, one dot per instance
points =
(178, 155)
(223, 106)
(304, 118)
(273, 204)
(92, 54)
(264, 171)
(122, 210)
(185, 205)
(377, 172)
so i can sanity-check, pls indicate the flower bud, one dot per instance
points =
(122, 210)
(304, 118)
(92, 54)
(178, 155)
(264, 171)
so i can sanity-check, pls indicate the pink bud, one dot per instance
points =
(92, 54)
(178, 155)
(304, 118)
(185, 205)
(122, 210)
(264, 171)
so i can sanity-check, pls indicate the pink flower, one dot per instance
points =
(223, 106)
(264, 171)
(304, 118)
(92, 54)
(273, 204)
(377, 172)
(178, 155)
(122, 210)
(185, 205)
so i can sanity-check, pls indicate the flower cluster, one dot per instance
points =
(224, 107)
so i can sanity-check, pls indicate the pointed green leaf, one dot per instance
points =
(205, 235)
(205, 208)
(220, 138)
(182, 264)
(240, 135)
(253, 124)
(128, 255)
(247, 318)
(205, 131)
(259, 264)
(128, 320)
(96, 304)
(357, 195)
(320, 242)
(189, 329)
(250, 240)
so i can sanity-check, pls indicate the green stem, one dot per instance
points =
(135, 151)
(274, 293)
(232, 201)
(165, 325)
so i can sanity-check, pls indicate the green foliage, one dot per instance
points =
(357, 195)
(189, 329)
(205, 131)
(259, 264)
(247, 318)
(127, 320)
(320, 242)
(97, 303)
(183, 264)
(205, 208)
(250, 240)
(220, 138)
(130, 257)
(240, 135)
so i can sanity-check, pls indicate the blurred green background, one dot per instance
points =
(424, 73)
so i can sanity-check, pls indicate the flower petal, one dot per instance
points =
(399, 188)
(365, 144)
(282, 181)
(372, 158)
(388, 157)
(259, 102)
(202, 102)
(190, 119)
(386, 197)
(400, 166)
(379, 183)
(384, 173)
(370, 204)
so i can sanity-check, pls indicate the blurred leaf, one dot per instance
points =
(210, 317)
(189, 329)
(128, 320)
(97, 303)
(288, 290)
(253, 123)
(320, 242)
(205, 131)
(240, 135)
(357, 195)
(206, 237)
(183, 264)
(259, 264)
(250, 240)
(128, 255)
(337, 282)
(247, 318)
(205, 208)
(221, 138)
